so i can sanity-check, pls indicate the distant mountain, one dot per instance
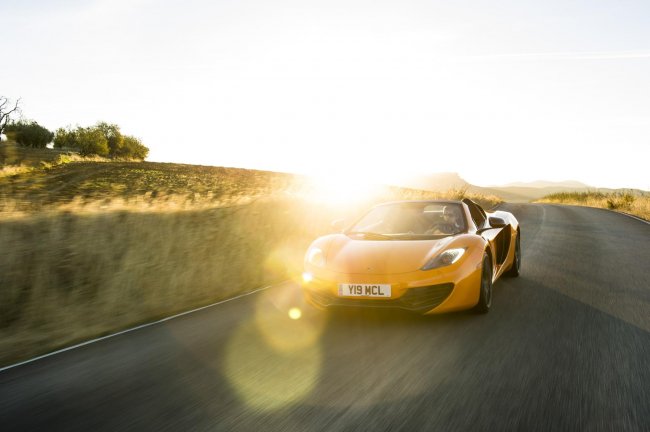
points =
(513, 192)
(525, 194)
(438, 182)
(441, 182)
(548, 184)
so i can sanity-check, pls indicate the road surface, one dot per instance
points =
(566, 346)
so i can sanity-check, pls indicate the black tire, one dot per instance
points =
(485, 290)
(515, 268)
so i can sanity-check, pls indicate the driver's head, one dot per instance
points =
(450, 213)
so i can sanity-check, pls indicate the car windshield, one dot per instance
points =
(410, 221)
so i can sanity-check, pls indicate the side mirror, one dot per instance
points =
(497, 222)
(338, 225)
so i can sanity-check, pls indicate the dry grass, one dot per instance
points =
(90, 248)
(13, 170)
(636, 203)
(16, 160)
(11, 154)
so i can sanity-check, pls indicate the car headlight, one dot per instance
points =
(446, 258)
(315, 257)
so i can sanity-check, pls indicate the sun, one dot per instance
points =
(342, 190)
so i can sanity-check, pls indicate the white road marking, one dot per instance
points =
(606, 209)
(630, 215)
(79, 345)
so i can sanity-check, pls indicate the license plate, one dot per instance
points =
(364, 290)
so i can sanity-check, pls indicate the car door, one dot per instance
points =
(496, 234)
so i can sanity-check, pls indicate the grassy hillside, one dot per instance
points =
(634, 202)
(92, 247)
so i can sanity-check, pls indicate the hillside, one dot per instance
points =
(93, 181)
(61, 179)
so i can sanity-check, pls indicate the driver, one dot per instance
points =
(452, 218)
(451, 222)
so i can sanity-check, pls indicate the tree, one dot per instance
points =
(30, 134)
(103, 139)
(113, 137)
(65, 138)
(91, 141)
(6, 112)
(133, 148)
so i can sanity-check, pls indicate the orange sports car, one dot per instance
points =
(424, 256)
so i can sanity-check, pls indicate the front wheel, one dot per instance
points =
(485, 296)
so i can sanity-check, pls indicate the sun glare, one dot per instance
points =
(342, 190)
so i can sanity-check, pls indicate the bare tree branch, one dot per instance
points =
(5, 115)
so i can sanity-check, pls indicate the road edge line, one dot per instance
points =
(629, 215)
(613, 211)
(597, 208)
(141, 326)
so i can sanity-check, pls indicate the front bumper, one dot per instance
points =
(421, 300)
(426, 292)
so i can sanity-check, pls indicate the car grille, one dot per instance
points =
(420, 299)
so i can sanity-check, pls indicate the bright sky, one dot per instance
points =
(498, 91)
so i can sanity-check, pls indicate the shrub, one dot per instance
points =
(622, 201)
(30, 134)
(91, 141)
(133, 148)
(65, 138)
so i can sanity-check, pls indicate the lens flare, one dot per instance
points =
(265, 378)
(276, 315)
(275, 359)
(295, 313)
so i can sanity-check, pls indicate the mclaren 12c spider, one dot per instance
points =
(424, 256)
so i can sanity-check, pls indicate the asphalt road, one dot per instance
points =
(565, 347)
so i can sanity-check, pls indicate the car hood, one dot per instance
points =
(346, 255)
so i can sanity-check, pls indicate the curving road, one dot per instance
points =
(565, 347)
